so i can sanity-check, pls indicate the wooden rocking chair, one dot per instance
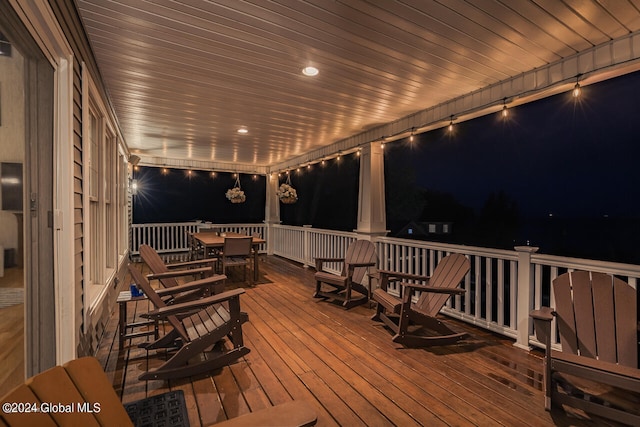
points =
(197, 325)
(167, 275)
(400, 313)
(597, 368)
(360, 257)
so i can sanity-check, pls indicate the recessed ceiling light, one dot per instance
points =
(243, 130)
(310, 71)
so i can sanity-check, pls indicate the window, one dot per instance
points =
(109, 200)
(94, 225)
(103, 202)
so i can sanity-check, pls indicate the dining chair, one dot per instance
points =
(196, 251)
(237, 252)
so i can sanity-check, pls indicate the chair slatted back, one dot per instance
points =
(237, 246)
(157, 265)
(596, 315)
(206, 321)
(360, 251)
(448, 274)
(79, 382)
(155, 299)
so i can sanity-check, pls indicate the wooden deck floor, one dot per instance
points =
(346, 366)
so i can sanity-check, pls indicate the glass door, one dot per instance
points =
(27, 322)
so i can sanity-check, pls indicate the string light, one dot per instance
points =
(505, 109)
(577, 90)
(411, 137)
(451, 124)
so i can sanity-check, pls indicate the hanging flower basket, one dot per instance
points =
(286, 193)
(235, 194)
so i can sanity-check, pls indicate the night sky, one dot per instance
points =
(569, 168)
(173, 195)
(562, 175)
(552, 156)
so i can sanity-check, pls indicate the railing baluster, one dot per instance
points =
(524, 287)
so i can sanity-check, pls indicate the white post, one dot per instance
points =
(372, 217)
(524, 296)
(272, 209)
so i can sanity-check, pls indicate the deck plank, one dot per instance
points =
(345, 366)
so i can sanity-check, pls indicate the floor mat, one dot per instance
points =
(165, 410)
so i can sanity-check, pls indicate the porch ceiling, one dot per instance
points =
(183, 76)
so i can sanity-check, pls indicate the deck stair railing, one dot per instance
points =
(502, 286)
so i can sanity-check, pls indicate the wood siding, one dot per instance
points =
(88, 330)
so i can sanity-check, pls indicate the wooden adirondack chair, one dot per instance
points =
(197, 325)
(167, 274)
(360, 257)
(400, 313)
(597, 320)
(83, 382)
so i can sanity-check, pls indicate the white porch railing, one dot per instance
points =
(503, 286)
(172, 237)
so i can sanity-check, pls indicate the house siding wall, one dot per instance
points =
(89, 328)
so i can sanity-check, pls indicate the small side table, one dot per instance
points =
(123, 298)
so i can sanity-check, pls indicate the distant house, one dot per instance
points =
(417, 230)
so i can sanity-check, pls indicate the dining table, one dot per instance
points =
(215, 240)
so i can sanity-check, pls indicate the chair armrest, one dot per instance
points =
(545, 314)
(437, 290)
(296, 413)
(191, 263)
(179, 273)
(321, 261)
(542, 326)
(189, 286)
(330, 259)
(190, 306)
(363, 264)
(394, 276)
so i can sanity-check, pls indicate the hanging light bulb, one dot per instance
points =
(505, 111)
(411, 137)
(450, 128)
(577, 90)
